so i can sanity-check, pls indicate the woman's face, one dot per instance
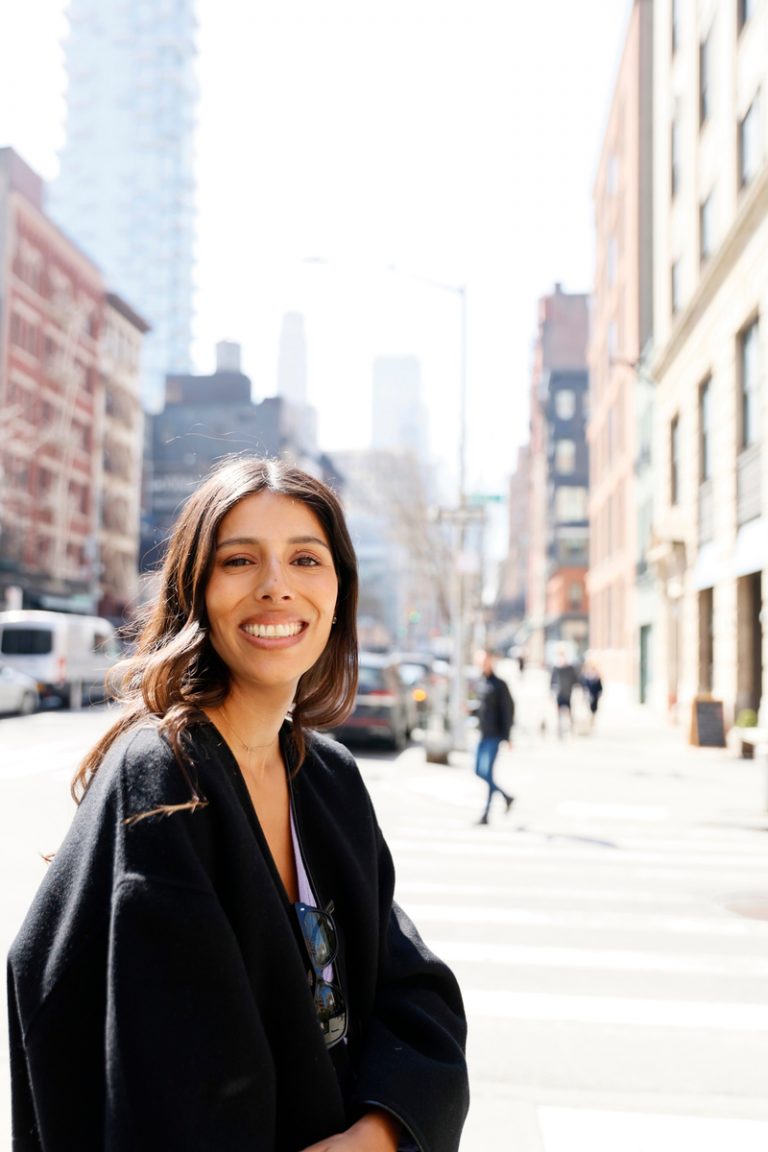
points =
(272, 591)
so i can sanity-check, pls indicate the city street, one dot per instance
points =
(610, 934)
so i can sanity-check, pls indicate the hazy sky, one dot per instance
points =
(407, 144)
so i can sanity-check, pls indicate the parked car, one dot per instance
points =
(18, 692)
(380, 713)
(67, 654)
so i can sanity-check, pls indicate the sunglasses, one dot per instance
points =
(321, 942)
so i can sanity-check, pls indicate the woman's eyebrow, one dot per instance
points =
(252, 540)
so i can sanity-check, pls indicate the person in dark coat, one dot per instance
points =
(495, 717)
(215, 961)
(563, 680)
(592, 684)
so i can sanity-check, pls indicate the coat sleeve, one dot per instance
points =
(413, 1061)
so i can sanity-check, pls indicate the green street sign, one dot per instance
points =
(486, 498)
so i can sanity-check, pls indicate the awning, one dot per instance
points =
(704, 573)
(751, 551)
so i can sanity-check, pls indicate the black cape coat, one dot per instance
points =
(158, 995)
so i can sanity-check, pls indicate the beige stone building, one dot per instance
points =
(710, 523)
(620, 607)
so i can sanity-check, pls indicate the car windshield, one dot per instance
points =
(370, 679)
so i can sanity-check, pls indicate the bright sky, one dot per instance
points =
(407, 145)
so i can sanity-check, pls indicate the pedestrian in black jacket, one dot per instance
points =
(495, 717)
(214, 961)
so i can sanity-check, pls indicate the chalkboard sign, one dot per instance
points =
(707, 727)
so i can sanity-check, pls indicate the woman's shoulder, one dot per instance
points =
(141, 771)
(323, 750)
(330, 765)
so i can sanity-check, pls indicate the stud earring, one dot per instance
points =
(333, 621)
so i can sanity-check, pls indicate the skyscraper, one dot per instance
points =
(399, 416)
(126, 187)
(292, 359)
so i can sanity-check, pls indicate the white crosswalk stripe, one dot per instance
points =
(616, 998)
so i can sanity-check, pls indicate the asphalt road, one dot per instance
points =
(610, 934)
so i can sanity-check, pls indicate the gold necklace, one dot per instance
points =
(238, 737)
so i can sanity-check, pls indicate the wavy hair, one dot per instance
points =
(174, 671)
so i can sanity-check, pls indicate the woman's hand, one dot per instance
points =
(377, 1131)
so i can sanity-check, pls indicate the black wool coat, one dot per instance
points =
(159, 996)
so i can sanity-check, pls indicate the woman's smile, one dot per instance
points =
(276, 631)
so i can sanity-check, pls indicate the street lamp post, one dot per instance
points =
(459, 517)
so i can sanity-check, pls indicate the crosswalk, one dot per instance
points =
(616, 997)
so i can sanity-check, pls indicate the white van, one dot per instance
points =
(68, 655)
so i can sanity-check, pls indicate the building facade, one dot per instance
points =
(621, 593)
(122, 439)
(710, 530)
(126, 188)
(513, 576)
(57, 413)
(558, 472)
(206, 418)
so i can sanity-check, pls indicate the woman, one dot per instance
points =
(214, 960)
(592, 684)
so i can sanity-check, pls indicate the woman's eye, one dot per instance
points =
(236, 561)
(307, 561)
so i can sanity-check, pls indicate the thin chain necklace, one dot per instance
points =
(238, 737)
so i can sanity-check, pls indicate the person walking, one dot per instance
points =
(562, 682)
(592, 684)
(495, 717)
(215, 961)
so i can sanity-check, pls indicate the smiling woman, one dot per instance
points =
(215, 958)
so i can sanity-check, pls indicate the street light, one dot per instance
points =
(457, 517)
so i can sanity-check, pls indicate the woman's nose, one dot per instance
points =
(273, 583)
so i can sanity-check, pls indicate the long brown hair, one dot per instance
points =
(174, 671)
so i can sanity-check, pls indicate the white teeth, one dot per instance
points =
(272, 631)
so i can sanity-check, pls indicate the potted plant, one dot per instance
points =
(747, 718)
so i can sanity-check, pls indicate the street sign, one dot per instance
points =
(486, 498)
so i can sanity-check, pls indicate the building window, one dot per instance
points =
(613, 174)
(705, 431)
(565, 404)
(749, 385)
(750, 150)
(565, 457)
(575, 596)
(706, 229)
(746, 10)
(674, 156)
(674, 461)
(675, 14)
(611, 262)
(570, 504)
(675, 287)
(705, 79)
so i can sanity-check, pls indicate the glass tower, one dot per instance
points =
(126, 187)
